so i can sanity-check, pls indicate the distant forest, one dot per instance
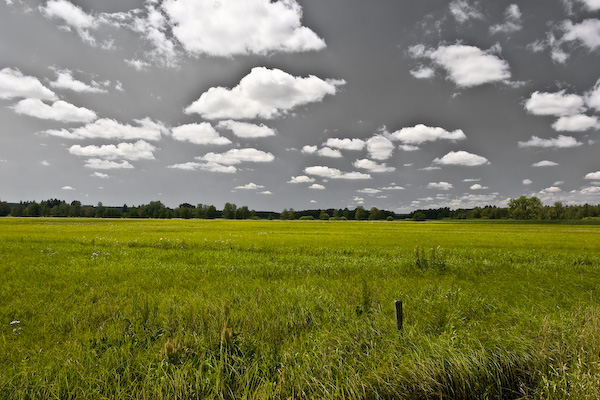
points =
(522, 208)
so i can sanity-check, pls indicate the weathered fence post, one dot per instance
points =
(399, 316)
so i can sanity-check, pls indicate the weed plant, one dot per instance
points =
(158, 309)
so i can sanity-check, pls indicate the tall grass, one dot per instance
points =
(255, 309)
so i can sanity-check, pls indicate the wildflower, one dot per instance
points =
(15, 322)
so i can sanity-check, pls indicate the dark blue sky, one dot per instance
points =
(308, 104)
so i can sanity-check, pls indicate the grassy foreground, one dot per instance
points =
(165, 309)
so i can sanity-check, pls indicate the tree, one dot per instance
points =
(323, 216)
(360, 213)
(229, 211)
(525, 207)
(419, 216)
(4, 209)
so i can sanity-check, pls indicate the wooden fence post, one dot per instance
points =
(399, 316)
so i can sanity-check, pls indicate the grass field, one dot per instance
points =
(166, 309)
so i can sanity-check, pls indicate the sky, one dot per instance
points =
(304, 104)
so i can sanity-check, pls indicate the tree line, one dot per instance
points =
(522, 208)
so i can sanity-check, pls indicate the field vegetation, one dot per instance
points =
(184, 309)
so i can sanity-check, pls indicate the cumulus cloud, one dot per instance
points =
(593, 175)
(65, 80)
(316, 186)
(467, 66)
(560, 142)
(67, 188)
(263, 93)
(420, 133)
(309, 149)
(301, 179)
(238, 156)
(393, 187)
(461, 158)
(592, 5)
(463, 11)
(97, 163)
(246, 130)
(593, 97)
(345, 144)
(423, 72)
(477, 186)
(202, 133)
(139, 150)
(74, 18)
(205, 166)
(328, 152)
(370, 191)
(333, 173)
(586, 32)
(380, 147)
(527, 182)
(372, 166)
(229, 27)
(58, 111)
(440, 185)
(13, 84)
(100, 175)
(544, 163)
(250, 186)
(576, 123)
(551, 189)
(106, 128)
(558, 104)
(512, 22)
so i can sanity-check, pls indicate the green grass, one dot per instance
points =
(158, 309)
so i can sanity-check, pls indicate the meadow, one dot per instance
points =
(186, 309)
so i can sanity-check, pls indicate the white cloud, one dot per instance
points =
(552, 189)
(593, 97)
(58, 111)
(423, 72)
(202, 133)
(65, 80)
(512, 23)
(333, 173)
(44, 163)
(469, 66)
(472, 180)
(527, 182)
(380, 147)
(309, 149)
(209, 166)
(576, 123)
(346, 144)
(96, 163)
(153, 28)
(328, 152)
(72, 16)
(263, 93)
(408, 147)
(13, 84)
(137, 64)
(559, 142)
(593, 175)
(230, 27)
(67, 188)
(246, 130)
(477, 186)
(316, 186)
(358, 200)
(394, 187)
(266, 192)
(301, 179)
(250, 186)
(238, 156)
(139, 150)
(592, 5)
(587, 32)
(100, 175)
(440, 185)
(372, 166)
(461, 158)
(369, 191)
(420, 133)
(462, 11)
(106, 128)
(544, 163)
(557, 104)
